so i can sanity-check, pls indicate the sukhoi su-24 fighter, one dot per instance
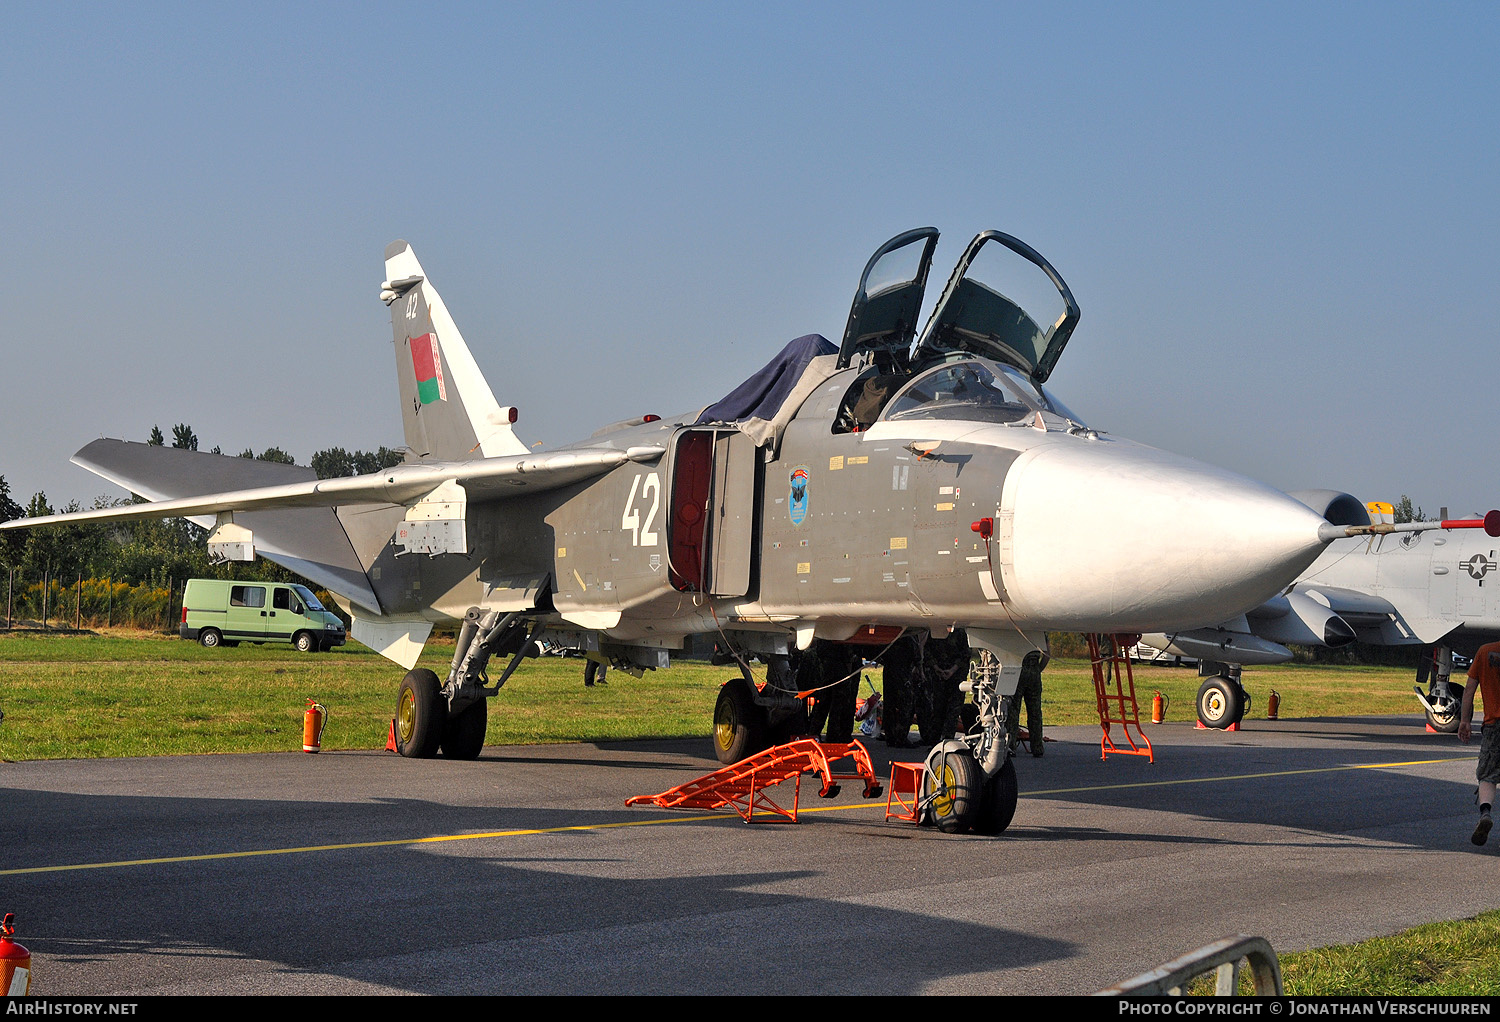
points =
(892, 482)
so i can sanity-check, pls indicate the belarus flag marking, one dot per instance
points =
(427, 363)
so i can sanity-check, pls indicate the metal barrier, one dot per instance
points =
(1223, 956)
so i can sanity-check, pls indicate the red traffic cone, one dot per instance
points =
(390, 742)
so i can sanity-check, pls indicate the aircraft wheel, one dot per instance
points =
(210, 638)
(1445, 723)
(952, 788)
(305, 642)
(463, 735)
(739, 726)
(997, 802)
(420, 715)
(1220, 703)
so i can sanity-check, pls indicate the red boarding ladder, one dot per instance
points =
(743, 786)
(1117, 707)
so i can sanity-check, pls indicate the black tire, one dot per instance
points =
(997, 802)
(210, 638)
(1219, 703)
(740, 727)
(463, 735)
(951, 789)
(305, 642)
(421, 713)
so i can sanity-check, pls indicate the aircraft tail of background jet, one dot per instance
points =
(447, 409)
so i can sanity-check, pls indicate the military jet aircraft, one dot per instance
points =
(1409, 589)
(844, 493)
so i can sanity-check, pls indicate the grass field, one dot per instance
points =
(146, 694)
(78, 696)
(143, 694)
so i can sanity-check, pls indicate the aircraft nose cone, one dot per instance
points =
(1116, 536)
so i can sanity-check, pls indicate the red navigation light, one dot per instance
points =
(650, 418)
(985, 527)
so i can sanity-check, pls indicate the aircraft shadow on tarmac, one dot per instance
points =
(455, 918)
(1337, 788)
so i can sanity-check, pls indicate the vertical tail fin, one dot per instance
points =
(447, 409)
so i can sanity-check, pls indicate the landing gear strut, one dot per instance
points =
(454, 716)
(970, 782)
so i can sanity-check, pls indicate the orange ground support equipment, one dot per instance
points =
(1114, 688)
(905, 791)
(743, 786)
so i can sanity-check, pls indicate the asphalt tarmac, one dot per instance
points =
(525, 873)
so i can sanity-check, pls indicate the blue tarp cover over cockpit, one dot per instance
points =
(763, 405)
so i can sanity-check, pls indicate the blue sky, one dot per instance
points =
(1280, 221)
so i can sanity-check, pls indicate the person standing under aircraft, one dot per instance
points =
(943, 665)
(836, 668)
(1484, 674)
(899, 666)
(1029, 689)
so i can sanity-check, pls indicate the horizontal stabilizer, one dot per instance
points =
(307, 540)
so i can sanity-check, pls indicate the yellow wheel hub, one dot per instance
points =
(406, 716)
(942, 803)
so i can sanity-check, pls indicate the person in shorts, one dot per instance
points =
(1484, 675)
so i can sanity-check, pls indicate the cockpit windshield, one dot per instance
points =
(977, 390)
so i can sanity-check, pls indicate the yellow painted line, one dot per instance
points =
(706, 817)
(1253, 777)
(355, 844)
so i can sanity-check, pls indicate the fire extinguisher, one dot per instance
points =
(1273, 704)
(313, 722)
(15, 961)
(1159, 708)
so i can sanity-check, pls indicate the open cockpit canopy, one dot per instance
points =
(883, 318)
(995, 306)
(1004, 302)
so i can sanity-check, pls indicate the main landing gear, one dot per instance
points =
(453, 716)
(1222, 700)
